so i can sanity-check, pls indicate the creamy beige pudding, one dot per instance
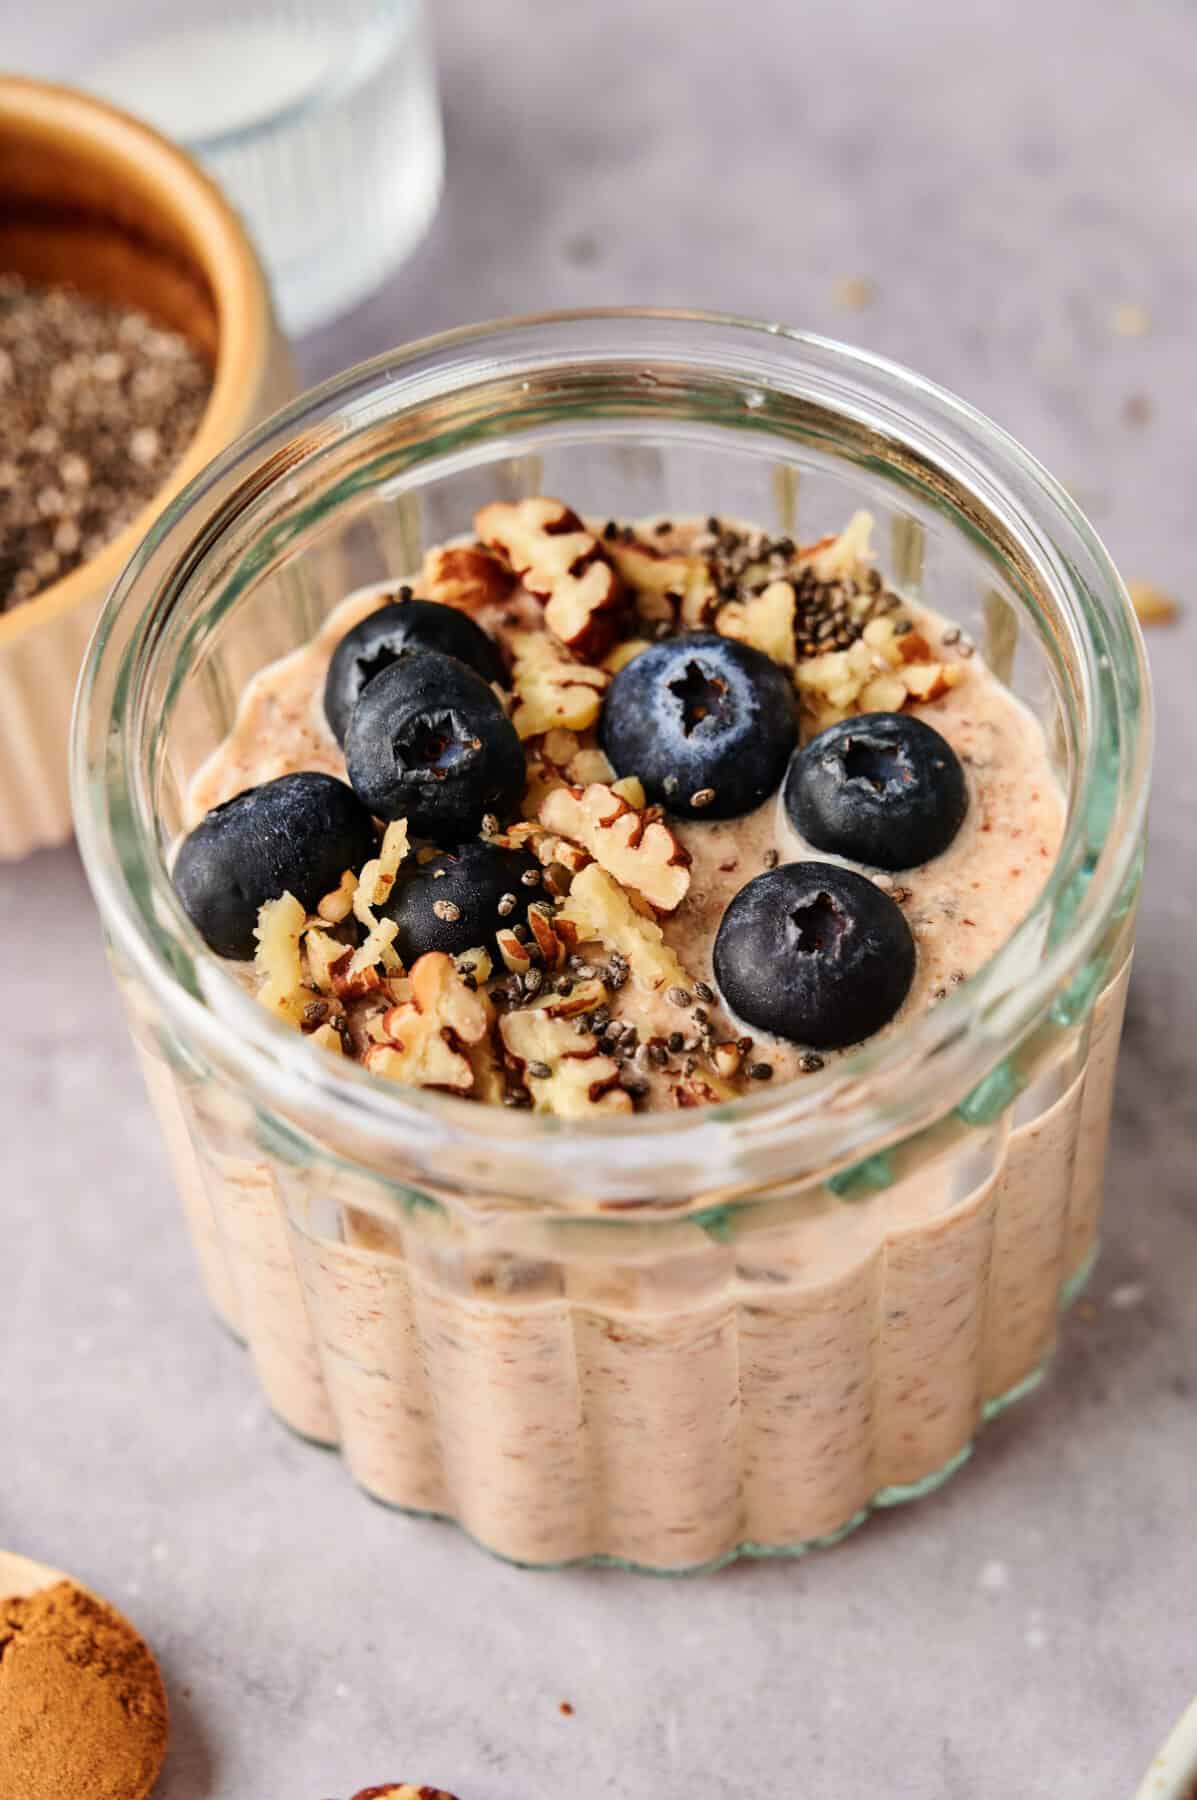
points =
(682, 1391)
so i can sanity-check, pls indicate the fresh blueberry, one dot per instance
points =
(458, 900)
(883, 788)
(294, 835)
(814, 953)
(394, 631)
(428, 742)
(705, 722)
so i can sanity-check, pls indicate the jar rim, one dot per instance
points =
(882, 1091)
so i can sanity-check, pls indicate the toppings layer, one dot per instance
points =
(590, 897)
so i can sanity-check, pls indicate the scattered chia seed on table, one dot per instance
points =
(97, 404)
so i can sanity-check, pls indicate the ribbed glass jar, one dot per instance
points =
(658, 1340)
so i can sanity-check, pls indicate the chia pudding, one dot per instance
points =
(593, 819)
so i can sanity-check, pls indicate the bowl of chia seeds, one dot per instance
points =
(137, 338)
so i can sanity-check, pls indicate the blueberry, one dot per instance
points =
(401, 629)
(428, 742)
(884, 788)
(814, 953)
(297, 834)
(705, 722)
(458, 900)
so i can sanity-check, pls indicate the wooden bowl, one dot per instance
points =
(92, 197)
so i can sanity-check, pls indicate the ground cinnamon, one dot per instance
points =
(82, 1706)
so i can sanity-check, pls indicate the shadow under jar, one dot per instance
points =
(669, 1339)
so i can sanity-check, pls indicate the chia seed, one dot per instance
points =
(97, 404)
(810, 1062)
(761, 1071)
(539, 1071)
(679, 997)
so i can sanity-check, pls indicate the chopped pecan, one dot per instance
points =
(562, 563)
(426, 1037)
(564, 1070)
(552, 950)
(516, 955)
(623, 654)
(844, 556)
(666, 584)
(552, 689)
(277, 958)
(571, 856)
(590, 764)
(327, 957)
(583, 996)
(373, 888)
(466, 577)
(597, 910)
(338, 905)
(700, 1088)
(641, 852)
(765, 620)
(882, 671)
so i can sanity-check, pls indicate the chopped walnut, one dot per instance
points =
(631, 789)
(478, 964)
(563, 1069)
(583, 996)
(562, 563)
(466, 577)
(844, 556)
(560, 745)
(598, 910)
(328, 959)
(552, 950)
(766, 621)
(339, 904)
(590, 764)
(277, 958)
(517, 957)
(552, 689)
(639, 850)
(571, 856)
(666, 585)
(373, 888)
(702, 1087)
(426, 1037)
(623, 654)
(881, 672)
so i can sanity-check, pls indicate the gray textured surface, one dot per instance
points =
(1008, 175)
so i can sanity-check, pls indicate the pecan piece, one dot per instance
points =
(426, 1037)
(562, 563)
(466, 577)
(563, 1069)
(552, 690)
(640, 851)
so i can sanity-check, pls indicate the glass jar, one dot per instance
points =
(657, 1340)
